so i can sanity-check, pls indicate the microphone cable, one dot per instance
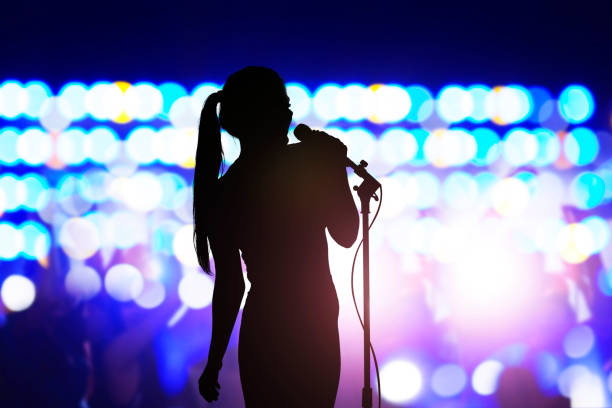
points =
(355, 300)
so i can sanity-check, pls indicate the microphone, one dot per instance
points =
(302, 133)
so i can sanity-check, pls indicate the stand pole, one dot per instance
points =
(366, 394)
(366, 191)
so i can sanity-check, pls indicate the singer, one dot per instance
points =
(272, 205)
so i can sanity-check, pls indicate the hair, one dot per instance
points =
(246, 96)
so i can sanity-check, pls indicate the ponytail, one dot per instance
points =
(208, 160)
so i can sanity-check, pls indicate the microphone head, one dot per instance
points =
(301, 132)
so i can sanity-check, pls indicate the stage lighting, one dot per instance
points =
(549, 147)
(82, 282)
(587, 190)
(600, 231)
(389, 103)
(38, 93)
(360, 142)
(401, 381)
(422, 105)
(101, 145)
(397, 146)
(454, 104)
(94, 185)
(460, 191)
(8, 148)
(508, 104)
(170, 91)
(139, 144)
(12, 241)
(183, 246)
(487, 146)
(123, 282)
(184, 113)
(354, 102)
(486, 376)
(143, 101)
(300, 99)
(324, 102)
(15, 99)
(79, 238)
(195, 290)
(13, 191)
(582, 386)
(575, 243)
(429, 189)
(152, 295)
(34, 146)
(581, 146)
(576, 104)
(128, 228)
(18, 293)
(71, 100)
(448, 380)
(519, 147)
(104, 101)
(579, 341)
(479, 96)
(36, 194)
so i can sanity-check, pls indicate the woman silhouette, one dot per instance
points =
(273, 204)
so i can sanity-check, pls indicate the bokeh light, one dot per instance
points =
(486, 376)
(18, 292)
(400, 381)
(576, 104)
(195, 290)
(123, 282)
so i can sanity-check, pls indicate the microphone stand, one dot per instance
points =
(365, 191)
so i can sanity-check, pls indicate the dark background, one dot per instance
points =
(433, 43)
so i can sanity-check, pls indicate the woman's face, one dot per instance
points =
(274, 123)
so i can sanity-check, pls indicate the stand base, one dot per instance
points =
(366, 397)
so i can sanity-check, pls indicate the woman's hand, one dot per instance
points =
(208, 384)
(328, 145)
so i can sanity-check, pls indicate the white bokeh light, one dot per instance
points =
(196, 289)
(486, 376)
(400, 381)
(18, 293)
(123, 282)
(83, 282)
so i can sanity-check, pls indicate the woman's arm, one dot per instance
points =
(342, 218)
(227, 296)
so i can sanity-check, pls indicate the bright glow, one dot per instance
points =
(448, 380)
(183, 246)
(83, 282)
(449, 147)
(575, 243)
(324, 102)
(587, 190)
(34, 146)
(143, 192)
(196, 289)
(487, 146)
(401, 381)
(139, 144)
(8, 147)
(401, 189)
(203, 91)
(71, 100)
(549, 147)
(300, 100)
(123, 282)
(479, 95)
(11, 241)
(37, 240)
(390, 104)
(579, 341)
(101, 145)
(486, 376)
(52, 117)
(184, 113)
(79, 238)
(170, 91)
(104, 101)
(583, 387)
(460, 190)
(397, 146)
(510, 196)
(508, 104)
(454, 104)
(581, 146)
(520, 147)
(152, 295)
(230, 146)
(600, 231)
(18, 293)
(422, 103)
(428, 189)
(576, 104)
(359, 142)
(71, 146)
(38, 92)
(15, 99)
(353, 102)
(128, 228)
(143, 101)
